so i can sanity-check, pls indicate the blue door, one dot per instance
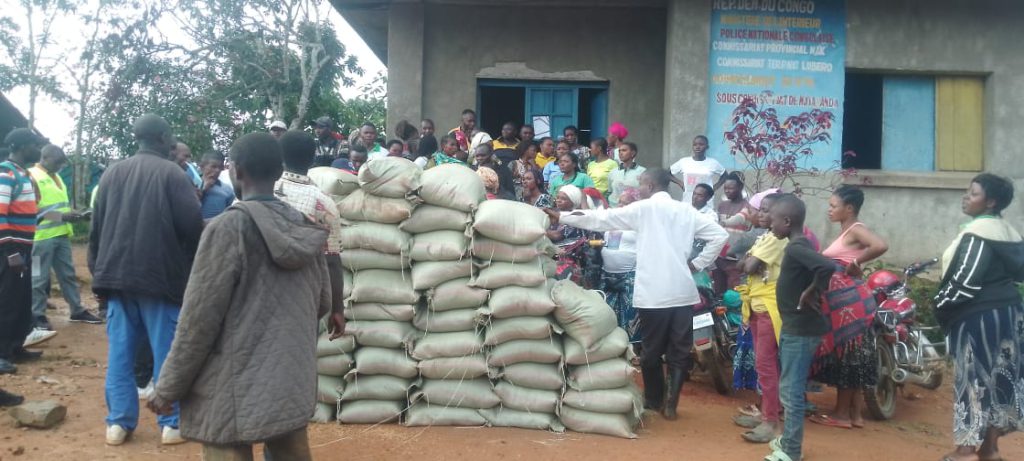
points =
(556, 105)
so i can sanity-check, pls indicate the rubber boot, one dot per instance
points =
(676, 377)
(654, 387)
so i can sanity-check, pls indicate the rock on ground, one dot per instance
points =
(39, 414)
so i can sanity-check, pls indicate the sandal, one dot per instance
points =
(826, 420)
(777, 455)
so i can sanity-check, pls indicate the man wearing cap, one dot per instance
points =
(278, 128)
(52, 246)
(328, 143)
(17, 232)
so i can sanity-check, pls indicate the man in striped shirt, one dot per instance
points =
(17, 230)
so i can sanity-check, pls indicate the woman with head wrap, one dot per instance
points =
(479, 138)
(490, 179)
(568, 198)
(594, 199)
(573, 260)
(617, 133)
(758, 215)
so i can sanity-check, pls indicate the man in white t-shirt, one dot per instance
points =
(698, 169)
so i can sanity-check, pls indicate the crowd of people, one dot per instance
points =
(192, 263)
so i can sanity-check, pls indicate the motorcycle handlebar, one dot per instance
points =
(921, 266)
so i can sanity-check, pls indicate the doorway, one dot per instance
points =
(500, 104)
(549, 106)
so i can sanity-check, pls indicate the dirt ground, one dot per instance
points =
(72, 372)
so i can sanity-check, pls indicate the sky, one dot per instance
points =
(56, 120)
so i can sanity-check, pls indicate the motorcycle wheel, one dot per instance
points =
(881, 400)
(928, 351)
(721, 376)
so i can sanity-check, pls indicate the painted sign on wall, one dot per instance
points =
(787, 55)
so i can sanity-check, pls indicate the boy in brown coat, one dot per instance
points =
(243, 362)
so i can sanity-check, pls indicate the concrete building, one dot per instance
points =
(933, 92)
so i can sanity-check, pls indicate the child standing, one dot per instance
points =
(803, 278)
(243, 362)
(761, 312)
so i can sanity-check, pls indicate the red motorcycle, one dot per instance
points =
(905, 355)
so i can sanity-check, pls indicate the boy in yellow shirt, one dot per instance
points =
(761, 313)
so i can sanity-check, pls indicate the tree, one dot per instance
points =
(777, 152)
(214, 70)
(105, 22)
(369, 106)
(280, 57)
(30, 63)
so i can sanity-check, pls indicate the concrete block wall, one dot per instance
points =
(454, 43)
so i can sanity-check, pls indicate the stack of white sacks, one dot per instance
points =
(524, 344)
(602, 397)
(382, 301)
(453, 381)
(495, 340)
(333, 361)
(334, 358)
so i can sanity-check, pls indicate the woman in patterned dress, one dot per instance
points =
(980, 308)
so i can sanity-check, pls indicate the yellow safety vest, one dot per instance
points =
(53, 196)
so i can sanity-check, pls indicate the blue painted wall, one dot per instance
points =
(908, 123)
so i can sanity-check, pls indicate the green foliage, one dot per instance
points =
(214, 70)
(81, 230)
(29, 53)
(272, 60)
(350, 114)
(923, 291)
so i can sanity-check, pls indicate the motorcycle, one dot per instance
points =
(580, 262)
(714, 340)
(905, 355)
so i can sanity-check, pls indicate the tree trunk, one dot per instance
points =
(33, 86)
(309, 58)
(80, 174)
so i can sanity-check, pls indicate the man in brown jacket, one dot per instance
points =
(243, 362)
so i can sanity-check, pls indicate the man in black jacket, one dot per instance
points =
(145, 231)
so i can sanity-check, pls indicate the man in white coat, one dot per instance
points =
(664, 293)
